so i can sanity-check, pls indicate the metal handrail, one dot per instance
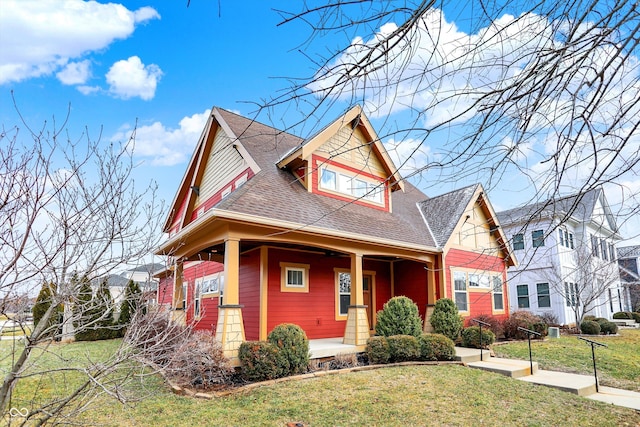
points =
(593, 356)
(529, 333)
(480, 323)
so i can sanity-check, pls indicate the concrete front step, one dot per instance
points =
(628, 323)
(468, 355)
(509, 367)
(582, 385)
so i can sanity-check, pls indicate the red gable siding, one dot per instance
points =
(480, 302)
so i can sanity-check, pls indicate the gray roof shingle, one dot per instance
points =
(443, 212)
(276, 194)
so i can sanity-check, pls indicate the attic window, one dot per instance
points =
(226, 192)
(348, 184)
(241, 180)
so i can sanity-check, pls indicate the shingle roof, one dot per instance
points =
(275, 194)
(443, 212)
(579, 206)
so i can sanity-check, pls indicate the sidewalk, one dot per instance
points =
(582, 385)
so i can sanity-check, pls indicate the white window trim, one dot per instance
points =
(494, 293)
(518, 296)
(373, 193)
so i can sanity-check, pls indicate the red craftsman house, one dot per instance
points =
(268, 228)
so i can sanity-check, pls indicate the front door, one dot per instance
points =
(367, 292)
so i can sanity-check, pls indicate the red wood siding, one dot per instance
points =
(316, 189)
(208, 306)
(410, 280)
(314, 311)
(250, 293)
(383, 281)
(165, 291)
(480, 301)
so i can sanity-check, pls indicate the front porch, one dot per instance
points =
(330, 347)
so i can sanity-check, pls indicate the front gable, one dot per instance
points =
(218, 166)
(478, 230)
(347, 161)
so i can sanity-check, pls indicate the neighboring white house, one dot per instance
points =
(629, 262)
(142, 275)
(566, 257)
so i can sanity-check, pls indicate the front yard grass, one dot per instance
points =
(450, 395)
(618, 365)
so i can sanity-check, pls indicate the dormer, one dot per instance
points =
(346, 160)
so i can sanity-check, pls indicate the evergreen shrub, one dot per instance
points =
(471, 337)
(399, 316)
(378, 350)
(293, 344)
(445, 319)
(590, 327)
(607, 327)
(261, 361)
(623, 315)
(403, 348)
(436, 347)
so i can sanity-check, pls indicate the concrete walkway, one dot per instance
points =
(582, 385)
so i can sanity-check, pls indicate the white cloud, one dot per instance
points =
(410, 156)
(41, 37)
(75, 73)
(131, 78)
(164, 146)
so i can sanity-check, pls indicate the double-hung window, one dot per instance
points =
(498, 301)
(196, 299)
(523, 296)
(518, 242)
(460, 290)
(537, 238)
(344, 293)
(544, 298)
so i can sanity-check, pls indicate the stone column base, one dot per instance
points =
(427, 324)
(230, 331)
(357, 329)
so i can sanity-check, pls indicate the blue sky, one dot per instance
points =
(163, 65)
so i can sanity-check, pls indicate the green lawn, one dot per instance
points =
(618, 364)
(418, 395)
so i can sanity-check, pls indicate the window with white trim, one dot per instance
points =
(523, 296)
(498, 297)
(226, 192)
(518, 242)
(544, 297)
(460, 290)
(344, 292)
(566, 238)
(210, 284)
(537, 238)
(241, 180)
(294, 277)
(571, 294)
(351, 185)
(196, 300)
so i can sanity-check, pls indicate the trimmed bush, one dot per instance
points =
(445, 319)
(471, 337)
(607, 327)
(436, 347)
(636, 316)
(378, 350)
(589, 317)
(494, 322)
(523, 319)
(399, 316)
(261, 361)
(293, 344)
(590, 327)
(623, 315)
(403, 348)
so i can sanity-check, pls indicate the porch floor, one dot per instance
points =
(329, 347)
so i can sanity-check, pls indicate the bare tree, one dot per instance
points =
(68, 208)
(550, 94)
